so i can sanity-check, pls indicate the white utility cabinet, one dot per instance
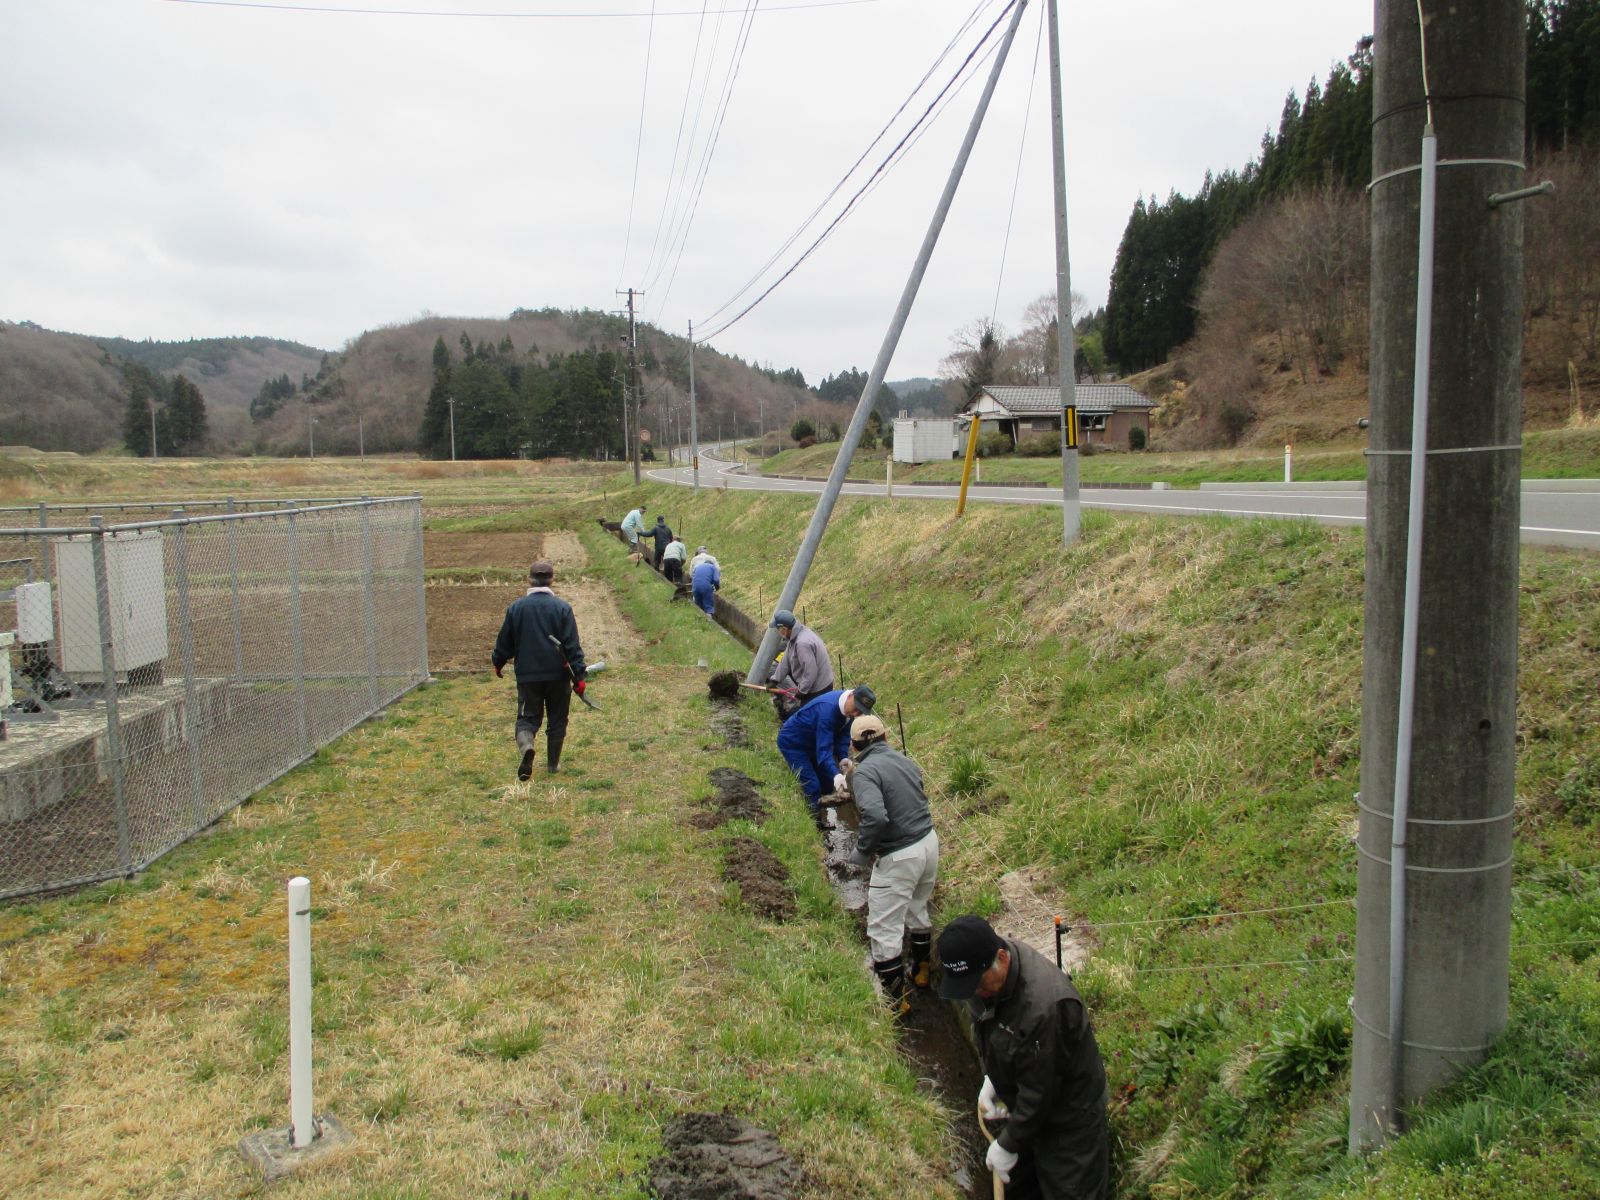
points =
(136, 577)
(920, 440)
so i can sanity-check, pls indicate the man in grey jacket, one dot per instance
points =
(805, 666)
(896, 835)
(1041, 1065)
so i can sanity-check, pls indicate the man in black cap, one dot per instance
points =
(548, 672)
(805, 667)
(1041, 1066)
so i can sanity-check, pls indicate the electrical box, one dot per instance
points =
(36, 621)
(136, 579)
(920, 440)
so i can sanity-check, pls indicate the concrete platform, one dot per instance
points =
(269, 1150)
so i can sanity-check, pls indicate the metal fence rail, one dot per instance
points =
(190, 661)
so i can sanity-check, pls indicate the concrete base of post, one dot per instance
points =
(269, 1150)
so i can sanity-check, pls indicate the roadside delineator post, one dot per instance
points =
(280, 1152)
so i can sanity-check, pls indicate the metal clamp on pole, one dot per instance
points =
(1547, 188)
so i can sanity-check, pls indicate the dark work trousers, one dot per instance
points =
(672, 568)
(1064, 1164)
(533, 699)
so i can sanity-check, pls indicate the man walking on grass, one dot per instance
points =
(896, 836)
(547, 671)
(1041, 1066)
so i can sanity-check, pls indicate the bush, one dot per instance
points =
(810, 439)
(992, 445)
(1040, 445)
(803, 429)
(1136, 438)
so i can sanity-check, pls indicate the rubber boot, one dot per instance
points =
(892, 976)
(921, 956)
(525, 744)
(555, 754)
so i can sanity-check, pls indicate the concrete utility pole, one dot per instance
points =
(1066, 367)
(694, 423)
(1434, 884)
(154, 452)
(633, 375)
(761, 664)
(451, 402)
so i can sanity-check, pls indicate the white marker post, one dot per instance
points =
(302, 1125)
(1288, 462)
(888, 477)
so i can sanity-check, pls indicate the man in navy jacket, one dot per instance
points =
(548, 672)
(815, 741)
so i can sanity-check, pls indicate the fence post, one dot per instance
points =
(44, 545)
(108, 669)
(422, 594)
(302, 1124)
(368, 567)
(191, 704)
(297, 635)
(233, 583)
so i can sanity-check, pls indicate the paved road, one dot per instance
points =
(1557, 518)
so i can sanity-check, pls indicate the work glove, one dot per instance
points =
(497, 669)
(840, 783)
(1001, 1161)
(990, 1106)
(580, 686)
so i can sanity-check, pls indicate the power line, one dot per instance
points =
(845, 178)
(638, 141)
(1016, 182)
(871, 181)
(501, 14)
(683, 115)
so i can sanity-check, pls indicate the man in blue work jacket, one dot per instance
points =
(815, 741)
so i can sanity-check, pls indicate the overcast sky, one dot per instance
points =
(180, 169)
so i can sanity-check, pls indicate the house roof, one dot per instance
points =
(1090, 397)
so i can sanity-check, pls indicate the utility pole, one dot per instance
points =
(451, 401)
(761, 423)
(311, 432)
(633, 375)
(1439, 671)
(761, 663)
(154, 452)
(1066, 367)
(694, 426)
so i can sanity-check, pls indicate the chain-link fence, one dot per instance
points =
(165, 670)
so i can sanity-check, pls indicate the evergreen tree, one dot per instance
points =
(434, 436)
(186, 416)
(139, 416)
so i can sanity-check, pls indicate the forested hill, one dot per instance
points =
(542, 382)
(68, 391)
(1263, 272)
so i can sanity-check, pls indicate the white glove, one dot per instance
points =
(839, 783)
(1001, 1161)
(990, 1107)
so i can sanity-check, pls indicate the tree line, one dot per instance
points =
(1322, 149)
(162, 415)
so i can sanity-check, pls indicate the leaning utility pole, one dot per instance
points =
(1439, 675)
(762, 662)
(1066, 367)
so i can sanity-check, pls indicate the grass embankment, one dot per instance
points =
(516, 984)
(1170, 713)
(1546, 454)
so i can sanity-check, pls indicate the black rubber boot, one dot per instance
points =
(921, 957)
(555, 755)
(525, 744)
(892, 976)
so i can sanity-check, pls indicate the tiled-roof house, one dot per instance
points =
(1106, 412)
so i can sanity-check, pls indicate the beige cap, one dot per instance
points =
(864, 727)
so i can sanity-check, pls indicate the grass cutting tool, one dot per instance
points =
(571, 675)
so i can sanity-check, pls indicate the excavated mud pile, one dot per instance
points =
(736, 799)
(714, 1156)
(727, 722)
(763, 880)
(725, 686)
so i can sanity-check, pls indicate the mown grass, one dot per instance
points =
(1170, 714)
(517, 985)
(1546, 454)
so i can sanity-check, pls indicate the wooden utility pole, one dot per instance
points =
(1439, 674)
(633, 377)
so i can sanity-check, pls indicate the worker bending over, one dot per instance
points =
(896, 835)
(816, 740)
(805, 667)
(632, 527)
(1041, 1066)
(672, 560)
(547, 671)
(706, 579)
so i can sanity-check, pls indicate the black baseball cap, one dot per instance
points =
(967, 947)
